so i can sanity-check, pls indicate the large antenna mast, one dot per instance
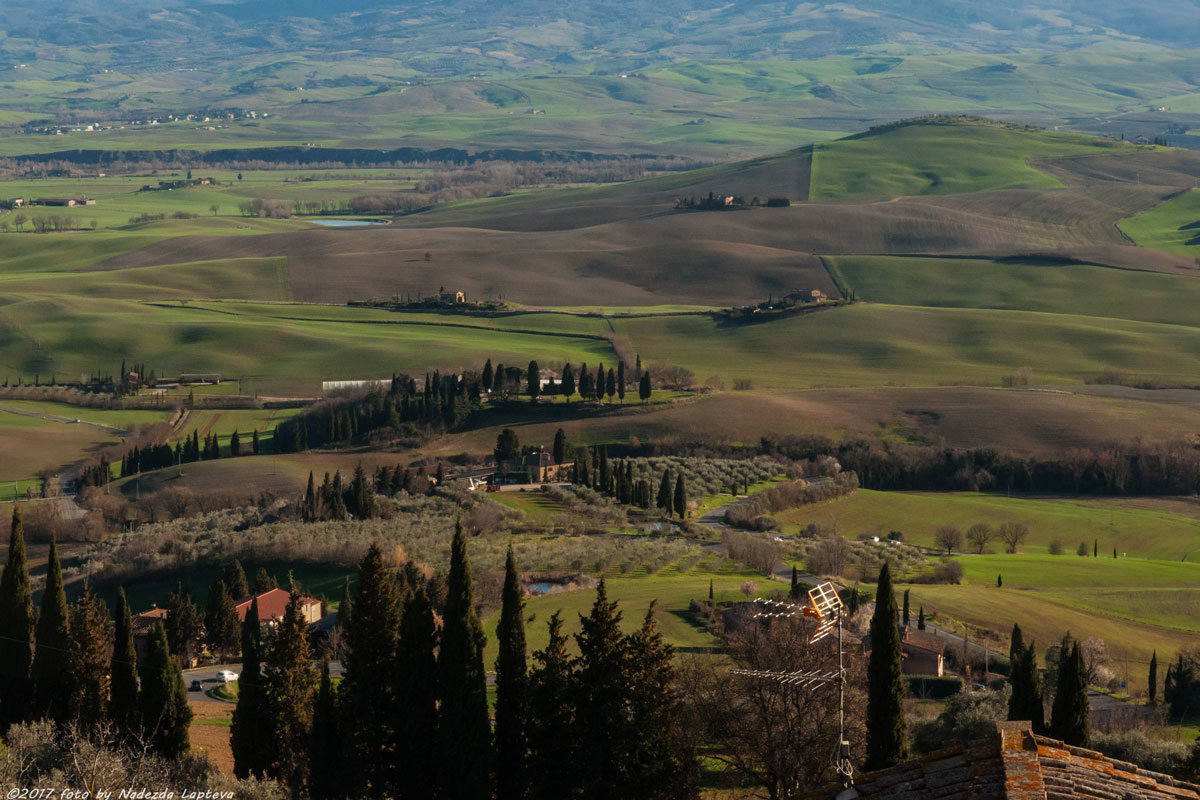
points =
(826, 607)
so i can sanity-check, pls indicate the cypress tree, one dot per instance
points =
(999, 581)
(235, 580)
(1152, 683)
(368, 686)
(291, 685)
(853, 605)
(235, 445)
(487, 376)
(1025, 702)
(221, 629)
(610, 384)
(251, 733)
(921, 618)
(510, 687)
(680, 497)
(533, 380)
(337, 502)
(415, 687)
(710, 590)
(52, 679)
(1016, 644)
(90, 630)
(644, 387)
(1095, 548)
(362, 494)
(464, 736)
(263, 582)
(664, 492)
(598, 385)
(559, 450)
(325, 778)
(551, 733)
(794, 592)
(1069, 713)
(886, 743)
(568, 382)
(621, 379)
(602, 678)
(309, 510)
(164, 708)
(255, 444)
(345, 606)
(904, 617)
(16, 629)
(123, 699)
(585, 382)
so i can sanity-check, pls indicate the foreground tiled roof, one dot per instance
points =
(1015, 764)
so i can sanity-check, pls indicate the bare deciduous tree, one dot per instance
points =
(979, 535)
(948, 538)
(1013, 534)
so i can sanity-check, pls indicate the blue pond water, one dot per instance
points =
(542, 588)
(347, 223)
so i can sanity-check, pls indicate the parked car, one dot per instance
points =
(196, 687)
(227, 676)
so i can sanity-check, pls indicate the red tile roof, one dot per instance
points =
(271, 604)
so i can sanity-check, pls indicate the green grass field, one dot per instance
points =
(1143, 528)
(1173, 226)
(535, 505)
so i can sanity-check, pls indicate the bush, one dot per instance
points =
(1134, 746)
(1055, 548)
(948, 572)
(968, 716)
(788, 495)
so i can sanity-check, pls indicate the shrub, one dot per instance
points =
(1055, 548)
(1134, 746)
(948, 572)
(968, 716)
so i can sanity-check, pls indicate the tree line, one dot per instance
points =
(410, 718)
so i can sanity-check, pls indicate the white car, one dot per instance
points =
(227, 676)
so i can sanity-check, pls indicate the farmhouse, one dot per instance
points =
(1014, 763)
(273, 604)
(922, 653)
(456, 298)
(534, 467)
(67, 202)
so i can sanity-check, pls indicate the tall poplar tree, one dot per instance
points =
(415, 686)
(511, 669)
(251, 734)
(164, 708)
(16, 629)
(464, 736)
(51, 672)
(123, 708)
(90, 631)
(551, 732)
(886, 742)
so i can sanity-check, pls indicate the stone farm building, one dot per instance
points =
(922, 652)
(1013, 764)
(536, 467)
(68, 202)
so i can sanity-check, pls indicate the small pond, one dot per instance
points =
(348, 223)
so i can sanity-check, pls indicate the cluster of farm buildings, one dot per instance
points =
(60, 202)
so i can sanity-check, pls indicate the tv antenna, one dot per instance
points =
(825, 607)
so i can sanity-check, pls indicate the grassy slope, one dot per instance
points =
(1173, 226)
(1144, 528)
(977, 283)
(941, 159)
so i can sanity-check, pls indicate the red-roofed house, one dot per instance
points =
(273, 604)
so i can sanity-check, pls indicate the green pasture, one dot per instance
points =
(671, 596)
(1173, 226)
(1144, 529)
(1046, 287)
(942, 159)
(249, 278)
(875, 345)
(536, 505)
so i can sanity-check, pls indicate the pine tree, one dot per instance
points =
(904, 616)
(368, 687)
(251, 733)
(291, 685)
(511, 687)
(551, 732)
(52, 680)
(90, 630)
(886, 743)
(263, 581)
(664, 492)
(235, 580)
(16, 629)
(164, 708)
(1069, 713)
(680, 497)
(123, 704)
(464, 733)
(601, 724)
(921, 618)
(415, 688)
(221, 629)
(1152, 682)
(326, 780)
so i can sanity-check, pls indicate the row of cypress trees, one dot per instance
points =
(410, 718)
(56, 664)
(592, 468)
